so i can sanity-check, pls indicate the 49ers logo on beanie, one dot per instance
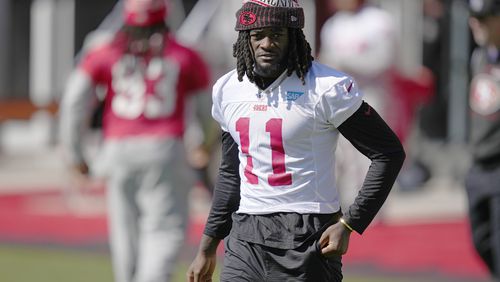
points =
(144, 12)
(269, 13)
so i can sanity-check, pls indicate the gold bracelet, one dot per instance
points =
(346, 224)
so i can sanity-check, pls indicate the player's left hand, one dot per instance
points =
(198, 158)
(335, 240)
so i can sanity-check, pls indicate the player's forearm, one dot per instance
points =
(194, 135)
(375, 190)
(224, 203)
(75, 108)
(226, 197)
(372, 137)
(208, 245)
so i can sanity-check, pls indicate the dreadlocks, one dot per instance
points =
(299, 55)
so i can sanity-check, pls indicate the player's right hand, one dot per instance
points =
(81, 168)
(81, 175)
(202, 268)
(335, 240)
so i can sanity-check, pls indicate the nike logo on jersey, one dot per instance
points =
(349, 88)
(293, 95)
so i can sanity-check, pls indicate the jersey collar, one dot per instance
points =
(275, 83)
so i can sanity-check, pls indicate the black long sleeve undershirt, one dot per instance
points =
(226, 197)
(366, 130)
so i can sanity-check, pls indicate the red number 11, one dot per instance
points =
(279, 177)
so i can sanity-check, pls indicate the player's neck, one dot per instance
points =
(264, 82)
(264, 77)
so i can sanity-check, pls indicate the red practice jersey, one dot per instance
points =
(145, 95)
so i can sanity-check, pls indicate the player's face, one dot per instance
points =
(491, 25)
(347, 5)
(486, 30)
(270, 48)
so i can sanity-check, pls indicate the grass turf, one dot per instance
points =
(46, 264)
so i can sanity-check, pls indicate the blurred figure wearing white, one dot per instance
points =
(360, 39)
(148, 79)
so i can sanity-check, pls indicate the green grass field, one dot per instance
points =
(39, 264)
(45, 264)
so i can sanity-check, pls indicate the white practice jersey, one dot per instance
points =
(287, 136)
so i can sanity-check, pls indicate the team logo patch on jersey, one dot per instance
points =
(293, 95)
(260, 108)
(485, 95)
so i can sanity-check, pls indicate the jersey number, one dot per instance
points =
(144, 89)
(274, 126)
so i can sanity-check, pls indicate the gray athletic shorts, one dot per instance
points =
(250, 262)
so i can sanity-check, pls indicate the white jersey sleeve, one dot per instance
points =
(217, 97)
(340, 102)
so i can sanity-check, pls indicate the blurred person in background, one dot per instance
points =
(149, 80)
(483, 179)
(106, 31)
(362, 40)
(433, 116)
(275, 202)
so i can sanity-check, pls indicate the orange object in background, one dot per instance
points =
(22, 109)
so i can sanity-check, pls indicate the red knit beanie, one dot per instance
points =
(269, 13)
(144, 12)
